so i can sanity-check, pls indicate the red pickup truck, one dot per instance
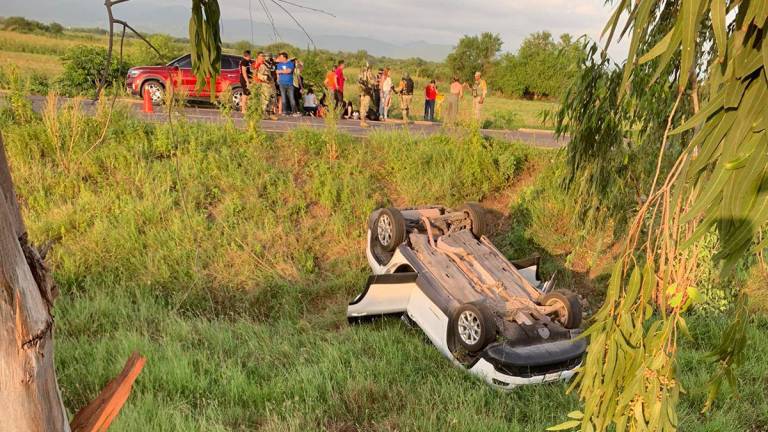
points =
(156, 78)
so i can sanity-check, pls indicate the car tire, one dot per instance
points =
(478, 218)
(237, 93)
(568, 304)
(156, 91)
(474, 326)
(389, 228)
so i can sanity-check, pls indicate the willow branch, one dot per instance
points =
(307, 8)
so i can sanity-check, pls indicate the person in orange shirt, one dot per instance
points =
(330, 82)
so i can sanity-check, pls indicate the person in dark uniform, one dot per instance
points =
(245, 78)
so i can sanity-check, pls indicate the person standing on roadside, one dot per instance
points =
(367, 84)
(266, 86)
(455, 93)
(285, 81)
(338, 94)
(245, 79)
(430, 98)
(330, 82)
(385, 90)
(405, 89)
(298, 84)
(479, 91)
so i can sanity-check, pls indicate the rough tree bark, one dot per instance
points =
(29, 393)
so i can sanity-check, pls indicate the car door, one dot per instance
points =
(230, 72)
(183, 75)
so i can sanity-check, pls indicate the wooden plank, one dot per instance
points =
(100, 412)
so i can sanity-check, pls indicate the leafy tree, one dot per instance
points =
(541, 67)
(83, 67)
(24, 25)
(714, 178)
(473, 54)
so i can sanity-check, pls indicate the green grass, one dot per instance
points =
(228, 257)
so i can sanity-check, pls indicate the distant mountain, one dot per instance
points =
(234, 30)
(173, 19)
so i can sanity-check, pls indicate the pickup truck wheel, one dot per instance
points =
(237, 94)
(477, 217)
(568, 307)
(389, 228)
(474, 326)
(156, 91)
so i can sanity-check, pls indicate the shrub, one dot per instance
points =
(83, 67)
(502, 120)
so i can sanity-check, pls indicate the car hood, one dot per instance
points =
(150, 68)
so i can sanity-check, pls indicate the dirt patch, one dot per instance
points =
(498, 203)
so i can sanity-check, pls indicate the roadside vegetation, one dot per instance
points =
(228, 257)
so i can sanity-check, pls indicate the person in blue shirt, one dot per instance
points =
(284, 71)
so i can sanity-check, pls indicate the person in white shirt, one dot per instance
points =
(385, 90)
(310, 103)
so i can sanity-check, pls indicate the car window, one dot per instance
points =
(184, 62)
(230, 62)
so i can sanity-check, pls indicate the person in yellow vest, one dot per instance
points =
(479, 91)
(366, 83)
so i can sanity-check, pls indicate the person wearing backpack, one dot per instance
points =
(405, 89)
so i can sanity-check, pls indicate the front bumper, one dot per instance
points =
(505, 366)
(503, 381)
(131, 86)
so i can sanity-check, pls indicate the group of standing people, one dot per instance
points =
(479, 89)
(280, 85)
(380, 87)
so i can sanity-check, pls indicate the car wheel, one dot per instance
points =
(237, 94)
(568, 307)
(389, 228)
(474, 326)
(478, 218)
(156, 91)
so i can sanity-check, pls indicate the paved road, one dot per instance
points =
(206, 113)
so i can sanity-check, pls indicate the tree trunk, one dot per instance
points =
(29, 394)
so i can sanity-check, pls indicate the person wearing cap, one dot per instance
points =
(405, 89)
(366, 92)
(479, 91)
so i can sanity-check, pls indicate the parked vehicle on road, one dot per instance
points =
(494, 317)
(156, 79)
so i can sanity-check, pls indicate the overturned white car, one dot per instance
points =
(433, 266)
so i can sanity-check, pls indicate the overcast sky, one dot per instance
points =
(399, 21)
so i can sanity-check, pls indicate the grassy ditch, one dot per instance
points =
(228, 257)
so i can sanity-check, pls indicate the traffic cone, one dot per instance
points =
(147, 102)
